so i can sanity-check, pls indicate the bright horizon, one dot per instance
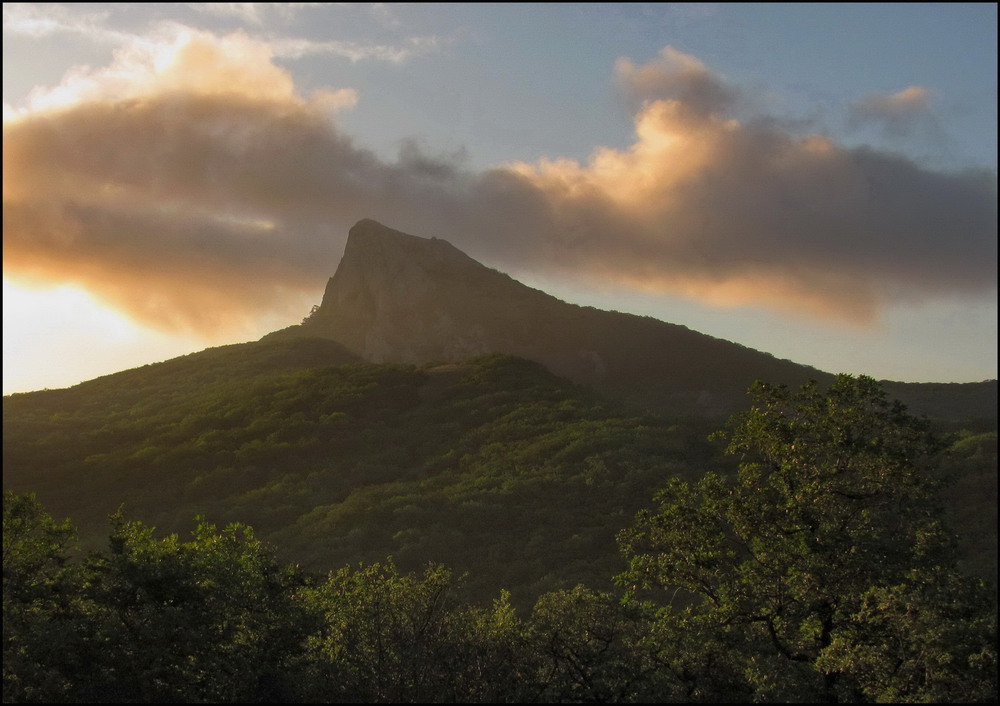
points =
(810, 181)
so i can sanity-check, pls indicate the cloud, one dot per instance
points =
(678, 77)
(383, 12)
(180, 61)
(298, 47)
(731, 213)
(190, 185)
(37, 20)
(256, 13)
(180, 184)
(900, 114)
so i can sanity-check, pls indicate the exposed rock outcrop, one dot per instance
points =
(401, 298)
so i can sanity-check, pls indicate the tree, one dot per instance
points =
(383, 635)
(592, 649)
(40, 609)
(210, 619)
(833, 511)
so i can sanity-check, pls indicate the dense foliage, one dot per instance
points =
(822, 571)
(495, 467)
(825, 565)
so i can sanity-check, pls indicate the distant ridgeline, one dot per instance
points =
(404, 299)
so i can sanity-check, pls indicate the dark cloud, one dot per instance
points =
(200, 205)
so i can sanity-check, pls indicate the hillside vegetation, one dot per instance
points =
(495, 466)
(821, 570)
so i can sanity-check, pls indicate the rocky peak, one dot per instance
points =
(378, 259)
(399, 297)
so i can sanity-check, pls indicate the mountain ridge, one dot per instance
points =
(498, 465)
(400, 298)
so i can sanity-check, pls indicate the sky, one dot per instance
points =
(814, 181)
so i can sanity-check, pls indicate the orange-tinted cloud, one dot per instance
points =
(191, 186)
(678, 77)
(182, 185)
(747, 213)
(899, 114)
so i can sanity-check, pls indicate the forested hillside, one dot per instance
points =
(495, 467)
(822, 569)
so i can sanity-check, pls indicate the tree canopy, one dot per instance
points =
(820, 571)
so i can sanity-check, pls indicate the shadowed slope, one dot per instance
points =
(400, 298)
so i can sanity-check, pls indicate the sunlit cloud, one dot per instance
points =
(192, 186)
(732, 213)
(899, 114)
(178, 60)
(149, 182)
(677, 77)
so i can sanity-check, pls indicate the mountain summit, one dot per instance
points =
(401, 298)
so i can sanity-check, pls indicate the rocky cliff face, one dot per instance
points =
(400, 298)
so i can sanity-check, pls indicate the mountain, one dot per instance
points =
(401, 298)
(495, 466)
(368, 431)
